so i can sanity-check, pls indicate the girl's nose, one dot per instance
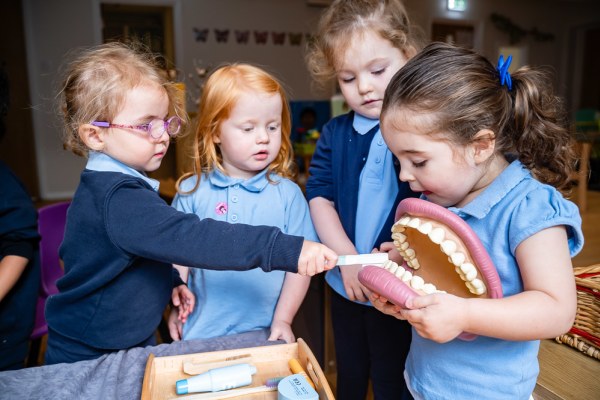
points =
(164, 138)
(364, 85)
(405, 175)
(262, 136)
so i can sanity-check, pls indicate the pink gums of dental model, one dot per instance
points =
(435, 266)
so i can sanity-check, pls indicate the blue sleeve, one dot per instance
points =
(320, 179)
(185, 202)
(298, 221)
(544, 208)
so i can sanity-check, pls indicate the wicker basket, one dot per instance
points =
(585, 333)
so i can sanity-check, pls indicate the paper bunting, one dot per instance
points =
(278, 38)
(222, 35)
(260, 37)
(241, 37)
(201, 34)
(295, 38)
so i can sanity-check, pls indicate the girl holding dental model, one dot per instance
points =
(491, 148)
(243, 156)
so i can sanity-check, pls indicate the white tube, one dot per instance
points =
(217, 379)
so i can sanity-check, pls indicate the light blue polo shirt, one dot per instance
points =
(229, 302)
(513, 208)
(378, 188)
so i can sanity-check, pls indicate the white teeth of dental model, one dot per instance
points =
(415, 282)
(457, 258)
(425, 228)
(448, 247)
(414, 223)
(437, 235)
(414, 263)
(429, 288)
(400, 272)
(399, 237)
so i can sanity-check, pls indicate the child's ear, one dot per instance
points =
(216, 139)
(92, 137)
(484, 145)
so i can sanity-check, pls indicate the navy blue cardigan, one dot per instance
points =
(334, 173)
(120, 241)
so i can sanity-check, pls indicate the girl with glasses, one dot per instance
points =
(121, 238)
(243, 159)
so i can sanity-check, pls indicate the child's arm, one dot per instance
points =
(331, 233)
(182, 297)
(545, 309)
(292, 294)
(11, 268)
(183, 302)
(175, 325)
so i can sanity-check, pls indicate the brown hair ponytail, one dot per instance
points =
(540, 134)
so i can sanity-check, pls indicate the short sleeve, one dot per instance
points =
(542, 208)
(185, 202)
(298, 221)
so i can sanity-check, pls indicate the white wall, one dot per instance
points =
(53, 27)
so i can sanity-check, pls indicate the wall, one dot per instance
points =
(55, 27)
(565, 19)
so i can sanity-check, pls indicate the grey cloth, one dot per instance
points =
(112, 376)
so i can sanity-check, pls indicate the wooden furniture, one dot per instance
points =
(582, 174)
(566, 373)
(270, 361)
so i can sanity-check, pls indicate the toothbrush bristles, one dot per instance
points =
(273, 382)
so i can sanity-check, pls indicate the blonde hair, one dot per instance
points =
(344, 18)
(96, 84)
(221, 92)
(462, 91)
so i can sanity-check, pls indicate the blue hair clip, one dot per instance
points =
(502, 69)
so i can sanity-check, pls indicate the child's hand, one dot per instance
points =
(354, 289)
(315, 258)
(184, 300)
(281, 330)
(383, 305)
(439, 317)
(390, 248)
(175, 325)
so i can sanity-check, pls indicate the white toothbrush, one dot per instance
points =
(371, 259)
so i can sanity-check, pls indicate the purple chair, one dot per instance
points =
(51, 226)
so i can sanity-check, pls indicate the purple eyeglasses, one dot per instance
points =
(154, 128)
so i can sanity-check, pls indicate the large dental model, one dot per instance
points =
(441, 254)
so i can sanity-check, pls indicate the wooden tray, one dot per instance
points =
(271, 361)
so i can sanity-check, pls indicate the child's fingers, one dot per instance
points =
(175, 298)
(417, 302)
(331, 259)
